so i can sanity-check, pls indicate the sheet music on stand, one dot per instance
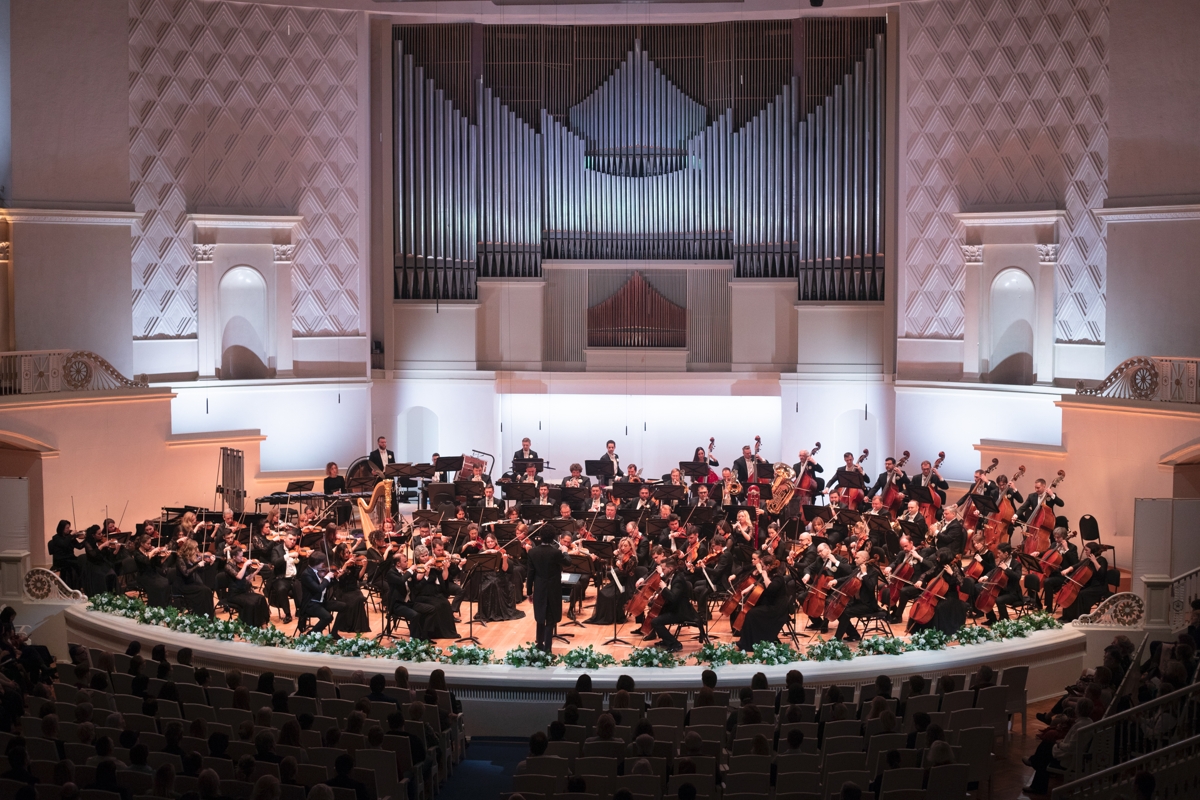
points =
(483, 515)
(520, 492)
(668, 492)
(575, 495)
(603, 527)
(696, 470)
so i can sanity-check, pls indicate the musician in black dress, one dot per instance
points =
(251, 606)
(765, 620)
(611, 599)
(1051, 583)
(495, 590)
(336, 484)
(66, 548)
(99, 563)
(1011, 593)
(676, 607)
(950, 614)
(1094, 589)
(345, 596)
(429, 595)
(190, 565)
(825, 564)
(865, 603)
(151, 578)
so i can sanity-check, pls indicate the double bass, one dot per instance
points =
(855, 496)
(892, 497)
(999, 525)
(1040, 526)
(932, 510)
(754, 478)
(806, 484)
(970, 514)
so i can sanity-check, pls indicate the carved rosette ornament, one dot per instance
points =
(972, 253)
(203, 252)
(42, 584)
(284, 252)
(1047, 253)
(1125, 609)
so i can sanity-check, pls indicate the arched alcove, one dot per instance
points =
(852, 431)
(1013, 306)
(420, 426)
(242, 306)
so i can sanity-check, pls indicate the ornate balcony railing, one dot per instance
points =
(41, 371)
(1150, 378)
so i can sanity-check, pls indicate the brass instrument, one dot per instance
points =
(732, 487)
(782, 488)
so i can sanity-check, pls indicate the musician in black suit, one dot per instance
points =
(746, 466)
(1003, 488)
(864, 603)
(613, 463)
(1041, 495)
(930, 479)
(676, 606)
(702, 499)
(829, 564)
(489, 499)
(577, 480)
(892, 475)
(399, 597)
(1034, 581)
(544, 584)
(381, 456)
(912, 513)
(643, 502)
(314, 581)
(951, 534)
(981, 485)
(526, 453)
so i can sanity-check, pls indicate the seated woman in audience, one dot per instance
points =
(164, 782)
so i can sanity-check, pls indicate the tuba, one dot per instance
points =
(782, 488)
(381, 502)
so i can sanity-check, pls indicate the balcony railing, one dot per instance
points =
(1150, 378)
(43, 371)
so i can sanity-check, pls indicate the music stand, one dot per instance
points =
(696, 470)
(985, 505)
(294, 487)
(454, 528)
(765, 471)
(519, 465)
(602, 526)
(520, 492)
(562, 525)
(536, 513)
(922, 494)
(449, 464)
(627, 490)
(580, 565)
(668, 492)
(598, 469)
(484, 515)
(655, 526)
(603, 550)
(915, 534)
(577, 496)
(475, 564)
(848, 516)
(438, 493)
(812, 512)
(794, 524)
(1030, 563)
(469, 489)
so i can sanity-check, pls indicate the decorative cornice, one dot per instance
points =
(284, 252)
(1149, 213)
(1047, 253)
(70, 216)
(203, 252)
(980, 218)
(972, 253)
(259, 221)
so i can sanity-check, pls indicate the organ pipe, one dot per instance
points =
(612, 159)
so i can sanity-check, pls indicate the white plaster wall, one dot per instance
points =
(70, 103)
(763, 322)
(509, 323)
(841, 337)
(465, 405)
(71, 289)
(307, 423)
(845, 413)
(435, 335)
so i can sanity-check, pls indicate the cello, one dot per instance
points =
(902, 575)
(972, 570)
(969, 513)
(1052, 559)
(649, 588)
(748, 601)
(1079, 577)
(814, 601)
(994, 583)
(932, 509)
(923, 607)
(841, 596)
(853, 496)
(1040, 526)
(735, 598)
(893, 498)
(999, 525)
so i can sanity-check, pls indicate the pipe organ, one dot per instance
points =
(765, 150)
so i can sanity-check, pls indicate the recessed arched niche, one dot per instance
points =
(1013, 305)
(242, 309)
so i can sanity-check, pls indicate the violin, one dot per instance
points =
(970, 514)
(893, 498)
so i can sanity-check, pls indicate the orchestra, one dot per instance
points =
(733, 552)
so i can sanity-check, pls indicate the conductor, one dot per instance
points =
(544, 584)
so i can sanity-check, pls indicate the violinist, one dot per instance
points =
(570, 546)
(398, 578)
(950, 533)
(774, 543)
(909, 561)
(912, 513)
(345, 596)
(859, 539)
(1042, 495)
(891, 476)
(677, 606)
(378, 551)
(865, 603)
(1094, 586)
(596, 502)
(66, 549)
(251, 606)
(830, 565)
(190, 564)
(284, 557)
(802, 555)
(611, 598)
(151, 578)
(577, 480)
(101, 558)
(473, 544)
(429, 594)
(675, 537)
(315, 580)
(1068, 556)
(495, 589)
(766, 619)
(1008, 564)
(446, 566)
(807, 466)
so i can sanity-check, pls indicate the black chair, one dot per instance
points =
(876, 622)
(301, 617)
(221, 587)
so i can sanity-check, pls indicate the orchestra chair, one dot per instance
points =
(875, 622)
(221, 586)
(701, 627)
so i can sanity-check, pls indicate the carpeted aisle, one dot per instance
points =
(486, 771)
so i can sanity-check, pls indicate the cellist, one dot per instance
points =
(826, 564)
(1093, 589)
(765, 620)
(1053, 582)
(866, 603)
(951, 611)
(950, 532)
(921, 565)
(676, 605)
(912, 513)
(1007, 563)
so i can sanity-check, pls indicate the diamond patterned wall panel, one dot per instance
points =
(1007, 103)
(244, 107)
